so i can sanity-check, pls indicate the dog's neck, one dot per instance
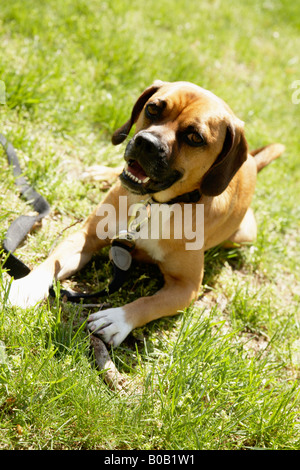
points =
(190, 197)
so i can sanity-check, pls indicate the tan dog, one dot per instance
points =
(187, 141)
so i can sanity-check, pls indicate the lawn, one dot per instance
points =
(224, 374)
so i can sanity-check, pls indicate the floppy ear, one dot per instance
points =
(231, 158)
(120, 134)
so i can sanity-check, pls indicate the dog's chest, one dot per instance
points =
(154, 225)
(152, 247)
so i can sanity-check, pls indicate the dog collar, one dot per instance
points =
(193, 196)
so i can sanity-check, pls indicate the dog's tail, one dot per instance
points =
(265, 155)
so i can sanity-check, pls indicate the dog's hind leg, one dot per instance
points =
(101, 173)
(246, 233)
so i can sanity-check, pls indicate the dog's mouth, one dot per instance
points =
(147, 169)
(135, 172)
(135, 178)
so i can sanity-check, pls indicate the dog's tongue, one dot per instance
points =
(136, 170)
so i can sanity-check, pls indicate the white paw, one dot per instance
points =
(29, 290)
(110, 325)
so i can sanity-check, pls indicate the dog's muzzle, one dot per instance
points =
(148, 169)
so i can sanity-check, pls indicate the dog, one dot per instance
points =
(187, 142)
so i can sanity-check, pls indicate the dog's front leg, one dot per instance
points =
(69, 256)
(180, 290)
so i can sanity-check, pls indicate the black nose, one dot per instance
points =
(147, 143)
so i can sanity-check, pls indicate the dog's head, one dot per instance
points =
(186, 138)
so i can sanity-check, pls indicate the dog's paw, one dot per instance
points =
(29, 290)
(110, 325)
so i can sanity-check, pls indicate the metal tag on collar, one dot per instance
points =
(120, 251)
(144, 208)
(125, 238)
(121, 257)
(124, 242)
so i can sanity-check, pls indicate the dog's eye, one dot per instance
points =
(152, 110)
(194, 138)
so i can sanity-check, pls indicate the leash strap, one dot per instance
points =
(119, 278)
(24, 223)
(120, 255)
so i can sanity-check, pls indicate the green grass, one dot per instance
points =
(224, 374)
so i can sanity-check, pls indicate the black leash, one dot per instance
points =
(24, 223)
(119, 278)
(20, 228)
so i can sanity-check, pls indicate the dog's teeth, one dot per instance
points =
(134, 178)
